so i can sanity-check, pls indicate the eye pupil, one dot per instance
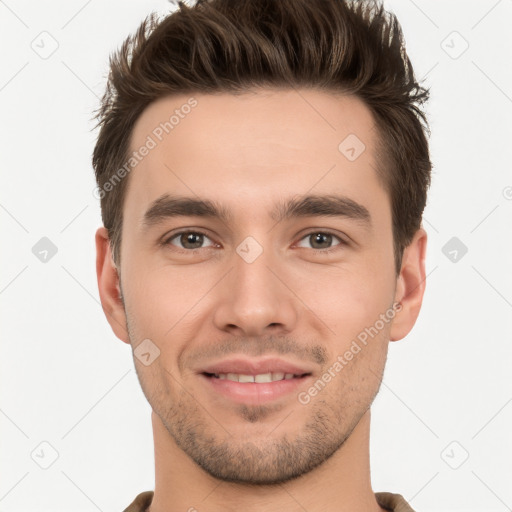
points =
(195, 239)
(319, 238)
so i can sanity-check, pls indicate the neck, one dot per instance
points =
(340, 484)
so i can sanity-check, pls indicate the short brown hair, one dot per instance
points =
(340, 46)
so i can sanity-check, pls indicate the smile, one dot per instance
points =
(253, 389)
(260, 378)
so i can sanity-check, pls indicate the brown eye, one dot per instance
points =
(321, 241)
(189, 240)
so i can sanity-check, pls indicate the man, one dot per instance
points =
(263, 169)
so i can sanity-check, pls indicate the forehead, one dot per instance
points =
(246, 149)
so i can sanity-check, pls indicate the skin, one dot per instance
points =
(248, 152)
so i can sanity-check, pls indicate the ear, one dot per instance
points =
(109, 287)
(410, 286)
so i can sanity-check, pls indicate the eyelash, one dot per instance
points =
(166, 241)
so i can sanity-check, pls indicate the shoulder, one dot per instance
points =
(141, 502)
(393, 502)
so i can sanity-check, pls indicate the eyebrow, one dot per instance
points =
(167, 206)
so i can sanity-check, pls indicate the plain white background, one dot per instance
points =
(70, 397)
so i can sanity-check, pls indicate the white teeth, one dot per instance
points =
(260, 378)
(263, 377)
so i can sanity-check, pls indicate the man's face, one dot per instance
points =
(253, 286)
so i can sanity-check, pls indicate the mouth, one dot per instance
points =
(245, 368)
(254, 389)
(260, 378)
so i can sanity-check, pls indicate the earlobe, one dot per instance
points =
(109, 286)
(410, 286)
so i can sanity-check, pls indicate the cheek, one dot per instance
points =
(150, 302)
(347, 301)
(165, 302)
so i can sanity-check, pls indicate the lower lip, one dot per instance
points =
(251, 392)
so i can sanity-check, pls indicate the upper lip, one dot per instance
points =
(254, 367)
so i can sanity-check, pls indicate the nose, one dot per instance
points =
(256, 298)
